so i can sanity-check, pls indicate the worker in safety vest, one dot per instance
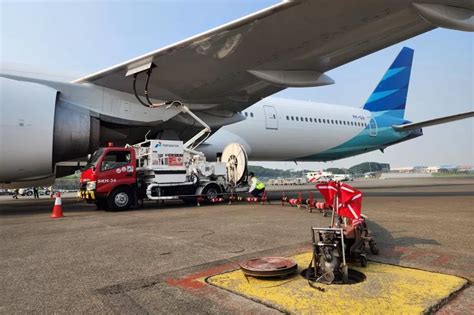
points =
(256, 186)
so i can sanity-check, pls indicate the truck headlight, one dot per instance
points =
(90, 185)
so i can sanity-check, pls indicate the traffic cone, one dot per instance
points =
(57, 209)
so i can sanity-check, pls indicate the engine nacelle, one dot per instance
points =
(26, 130)
(38, 129)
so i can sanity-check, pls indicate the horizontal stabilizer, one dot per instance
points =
(432, 122)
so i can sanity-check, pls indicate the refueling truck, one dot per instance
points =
(117, 178)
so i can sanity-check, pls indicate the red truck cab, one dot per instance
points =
(110, 178)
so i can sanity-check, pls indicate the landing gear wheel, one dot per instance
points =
(363, 261)
(211, 192)
(120, 199)
(373, 248)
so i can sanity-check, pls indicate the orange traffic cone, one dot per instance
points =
(57, 209)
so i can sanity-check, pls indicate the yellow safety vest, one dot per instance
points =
(258, 185)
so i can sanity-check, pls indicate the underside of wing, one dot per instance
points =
(289, 44)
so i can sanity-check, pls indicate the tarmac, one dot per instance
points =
(162, 259)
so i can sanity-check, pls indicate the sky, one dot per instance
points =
(75, 38)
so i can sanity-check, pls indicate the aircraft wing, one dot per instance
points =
(292, 43)
(432, 122)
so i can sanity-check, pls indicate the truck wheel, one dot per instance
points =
(211, 191)
(29, 193)
(120, 199)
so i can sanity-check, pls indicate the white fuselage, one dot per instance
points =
(280, 129)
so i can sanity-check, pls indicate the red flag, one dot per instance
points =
(328, 190)
(350, 202)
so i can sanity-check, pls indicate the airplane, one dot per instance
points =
(328, 132)
(47, 125)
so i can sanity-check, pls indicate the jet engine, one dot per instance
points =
(37, 130)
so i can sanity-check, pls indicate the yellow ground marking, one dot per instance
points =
(387, 289)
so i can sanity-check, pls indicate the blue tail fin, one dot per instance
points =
(390, 95)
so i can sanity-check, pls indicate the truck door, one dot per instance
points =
(372, 128)
(116, 168)
(271, 118)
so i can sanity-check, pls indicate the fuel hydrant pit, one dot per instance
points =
(354, 277)
(387, 289)
(268, 267)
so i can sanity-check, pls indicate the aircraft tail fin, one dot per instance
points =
(390, 95)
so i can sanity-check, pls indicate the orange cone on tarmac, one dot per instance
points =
(57, 209)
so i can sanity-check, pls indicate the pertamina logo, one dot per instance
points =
(165, 145)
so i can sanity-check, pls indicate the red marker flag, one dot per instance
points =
(328, 190)
(350, 203)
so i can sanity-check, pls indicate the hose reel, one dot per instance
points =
(235, 157)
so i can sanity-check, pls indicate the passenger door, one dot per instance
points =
(271, 118)
(372, 128)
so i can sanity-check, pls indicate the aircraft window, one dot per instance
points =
(324, 120)
(332, 121)
(246, 115)
(343, 122)
(319, 119)
(301, 118)
(287, 118)
(251, 114)
(297, 119)
(336, 122)
(310, 119)
(292, 118)
(306, 119)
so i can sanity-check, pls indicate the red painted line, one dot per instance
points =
(442, 259)
(192, 282)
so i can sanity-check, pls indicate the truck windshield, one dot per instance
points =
(94, 158)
